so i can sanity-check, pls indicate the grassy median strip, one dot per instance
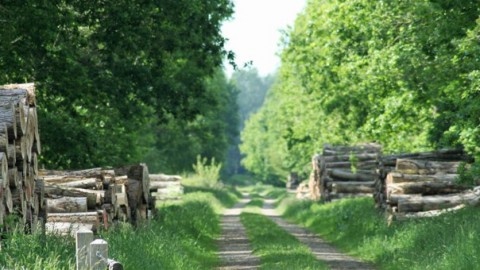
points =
(450, 241)
(276, 248)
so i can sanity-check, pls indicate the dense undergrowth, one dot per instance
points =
(181, 236)
(450, 241)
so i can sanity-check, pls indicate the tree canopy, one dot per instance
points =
(401, 73)
(112, 75)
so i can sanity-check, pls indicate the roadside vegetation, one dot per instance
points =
(181, 236)
(450, 241)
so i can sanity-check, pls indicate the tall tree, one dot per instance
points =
(109, 72)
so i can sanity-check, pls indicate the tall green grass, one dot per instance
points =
(37, 252)
(451, 241)
(181, 236)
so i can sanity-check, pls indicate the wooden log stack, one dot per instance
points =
(21, 192)
(165, 187)
(426, 185)
(388, 164)
(344, 171)
(94, 198)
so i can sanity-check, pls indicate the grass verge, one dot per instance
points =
(181, 236)
(276, 248)
(450, 241)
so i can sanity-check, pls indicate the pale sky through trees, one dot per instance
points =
(254, 31)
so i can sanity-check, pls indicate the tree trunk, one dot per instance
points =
(353, 187)
(411, 166)
(83, 183)
(66, 228)
(67, 205)
(425, 188)
(347, 175)
(94, 197)
(427, 203)
(17, 93)
(358, 157)
(8, 117)
(80, 217)
(394, 178)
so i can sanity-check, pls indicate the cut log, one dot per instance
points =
(426, 214)
(338, 196)
(3, 138)
(67, 205)
(439, 155)
(81, 217)
(436, 202)
(8, 199)
(362, 165)
(94, 197)
(135, 196)
(4, 170)
(425, 188)
(394, 177)
(21, 119)
(83, 183)
(164, 178)
(393, 199)
(13, 178)
(347, 175)
(8, 117)
(88, 173)
(11, 155)
(17, 93)
(66, 228)
(353, 187)
(411, 166)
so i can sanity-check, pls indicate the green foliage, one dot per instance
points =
(109, 74)
(207, 175)
(37, 251)
(401, 73)
(445, 242)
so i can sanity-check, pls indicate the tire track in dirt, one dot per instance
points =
(323, 251)
(235, 251)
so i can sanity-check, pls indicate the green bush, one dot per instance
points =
(207, 174)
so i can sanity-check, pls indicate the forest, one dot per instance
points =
(143, 81)
(404, 74)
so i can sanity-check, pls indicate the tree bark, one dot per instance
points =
(427, 203)
(395, 178)
(18, 93)
(348, 175)
(425, 188)
(411, 166)
(94, 197)
(67, 205)
(362, 165)
(8, 117)
(80, 217)
(353, 187)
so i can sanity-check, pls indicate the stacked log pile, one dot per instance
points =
(95, 198)
(344, 171)
(388, 164)
(427, 185)
(21, 193)
(165, 187)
